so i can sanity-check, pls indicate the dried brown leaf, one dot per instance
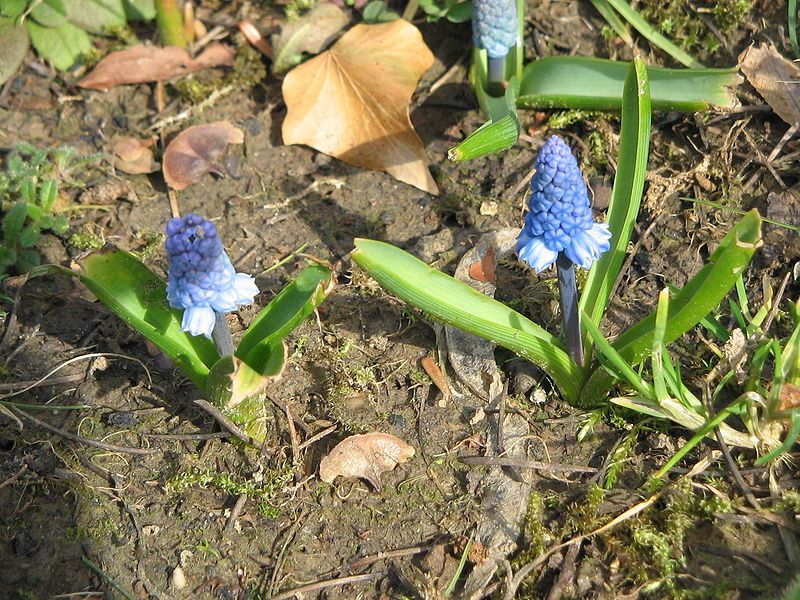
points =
(365, 456)
(133, 156)
(196, 151)
(141, 64)
(775, 78)
(309, 34)
(352, 101)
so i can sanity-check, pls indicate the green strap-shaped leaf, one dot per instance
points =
(139, 297)
(597, 84)
(687, 307)
(285, 312)
(455, 303)
(627, 195)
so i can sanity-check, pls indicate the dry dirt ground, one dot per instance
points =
(77, 521)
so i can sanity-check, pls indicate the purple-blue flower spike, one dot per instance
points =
(201, 279)
(559, 229)
(495, 28)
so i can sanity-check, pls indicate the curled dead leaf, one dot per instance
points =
(776, 78)
(142, 64)
(365, 456)
(352, 101)
(133, 156)
(196, 151)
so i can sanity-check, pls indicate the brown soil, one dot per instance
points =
(65, 506)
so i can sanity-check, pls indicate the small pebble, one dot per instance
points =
(177, 581)
(123, 419)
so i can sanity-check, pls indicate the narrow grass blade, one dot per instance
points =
(597, 84)
(793, 27)
(698, 297)
(626, 197)
(452, 302)
(139, 297)
(658, 349)
(612, 18)
(734, 407)
(285, 312)
(652, 34)
(615, 363)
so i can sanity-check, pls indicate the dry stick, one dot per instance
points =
(523, 463)
(293, 438)
(187, 437)
(14, 477)
(11, 387)
(285, 408)
(399, 553)
(317, 437)
(83, 440)
(290, 535)
(235, 512)
(173, 204)
(321, 585)
(227, 423)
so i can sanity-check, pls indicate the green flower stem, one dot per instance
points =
(568, 299)
(222, 336)
(170, 23)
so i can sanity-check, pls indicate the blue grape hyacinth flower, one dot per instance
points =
(494, 26)
(560, 217)
(201, 279)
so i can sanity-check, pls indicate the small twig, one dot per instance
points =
(284, 407)
(321, 585)
(523, 463)
(399, 553)
(213, 97)
(83, 440)
(174, 209)
(14, 477)
(187, 437)
(316, 437)
(76, 359)
(11, 387)
(293, 438)
(227, 423)
(235, 512)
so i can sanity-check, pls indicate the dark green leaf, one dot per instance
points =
(60, 224)
(7, 256)
(460, 12)
(455, 303)
(27, 260)
(28, 236)
(285, 312)
(140, 10)
(27, 190)
(626, 197)
(702, 294)
(139, 297)
(13, 222)
(48, 192)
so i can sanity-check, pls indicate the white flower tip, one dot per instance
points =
(533, 251)
(198, 321)
(246, 288)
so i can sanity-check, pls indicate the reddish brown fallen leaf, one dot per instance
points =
(365, 456)
(254, 37)
(437, 376)
(141, 64)
(134, 156)
(483, 270)
(352, 101)
(776, 78)
(196, 151)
